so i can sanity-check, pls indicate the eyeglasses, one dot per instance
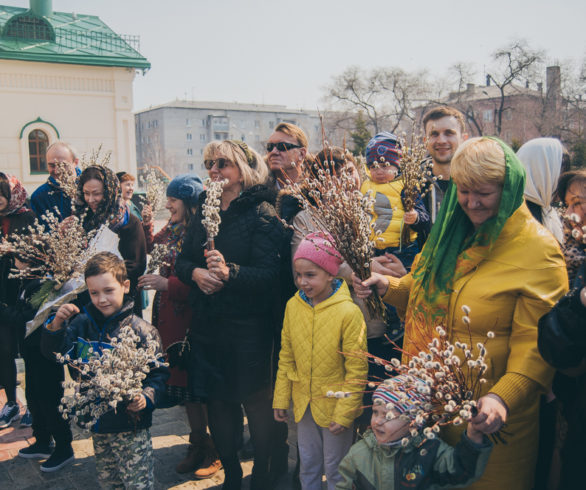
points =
(281, 146)
(222, 162)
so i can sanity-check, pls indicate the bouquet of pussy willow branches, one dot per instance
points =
(446, 377)
(158, 258)
(338, 207)
(211, 210)
(95, 157)
(67, 180)
(576, 227)
(415, 173)
(55, 253)
(156, 191)
(415, 169)
(109, 374)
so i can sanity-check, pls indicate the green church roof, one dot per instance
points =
(65, 38)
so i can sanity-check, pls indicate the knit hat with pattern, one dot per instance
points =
(319, 248)
(383, 148)
(401, 391)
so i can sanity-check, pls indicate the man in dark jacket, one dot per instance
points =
(121, 437)
(50, 195)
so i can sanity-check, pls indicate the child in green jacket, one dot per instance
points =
(382, 460)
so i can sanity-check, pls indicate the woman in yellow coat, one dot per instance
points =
(487, 253)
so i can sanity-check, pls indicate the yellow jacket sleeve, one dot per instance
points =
(285, 371)
(356, 369)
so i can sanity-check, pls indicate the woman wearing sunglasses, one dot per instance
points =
(232, 290)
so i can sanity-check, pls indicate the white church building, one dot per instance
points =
(64, 76)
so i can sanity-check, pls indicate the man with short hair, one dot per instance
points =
(445, 130)
(50, 196)
(286, 150)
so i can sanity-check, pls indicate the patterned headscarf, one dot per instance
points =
(452, 250)
(18, 195)
(111, 210)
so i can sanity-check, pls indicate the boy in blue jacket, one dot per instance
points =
(121, 437)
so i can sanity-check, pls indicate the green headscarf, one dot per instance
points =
(454, 248)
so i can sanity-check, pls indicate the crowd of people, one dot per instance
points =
(269, 319)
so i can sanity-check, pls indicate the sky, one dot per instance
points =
(276, 52)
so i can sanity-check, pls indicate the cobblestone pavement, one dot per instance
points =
(170, 434)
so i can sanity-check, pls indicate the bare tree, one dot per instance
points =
(572, 121)
(455, 90)
(514, 62)
(385, 96)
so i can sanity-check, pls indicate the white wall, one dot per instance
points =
(88, 105)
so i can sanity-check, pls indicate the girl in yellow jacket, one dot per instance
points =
(321, 322)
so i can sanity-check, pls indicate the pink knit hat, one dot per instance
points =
(319, 248)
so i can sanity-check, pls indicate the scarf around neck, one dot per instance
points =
(452, 250)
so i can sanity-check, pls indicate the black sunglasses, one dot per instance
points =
(281, 146)
(222, 162)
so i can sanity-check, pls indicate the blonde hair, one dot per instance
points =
(293, 131)
(251, 165)
(478, 161)
(210, 150)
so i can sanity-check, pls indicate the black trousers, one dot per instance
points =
(43, 394)
(8, 353)
(225, 420)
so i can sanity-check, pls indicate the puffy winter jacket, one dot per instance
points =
(312, 361)
(430, 465)
(92, 326)
(250, 239)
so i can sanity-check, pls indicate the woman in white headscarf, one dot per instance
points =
(543, 161)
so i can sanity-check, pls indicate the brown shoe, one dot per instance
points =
(211, 463)
(193, 459)
(208, 469)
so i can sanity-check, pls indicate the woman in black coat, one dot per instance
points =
(232, 292)
(14, 217)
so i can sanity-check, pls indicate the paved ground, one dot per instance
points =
(170, 435)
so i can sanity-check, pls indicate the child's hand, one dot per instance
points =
(280, 415)
(138, 403)
(336, 429)
(473, 434)
(65, 312)
(411, 217)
